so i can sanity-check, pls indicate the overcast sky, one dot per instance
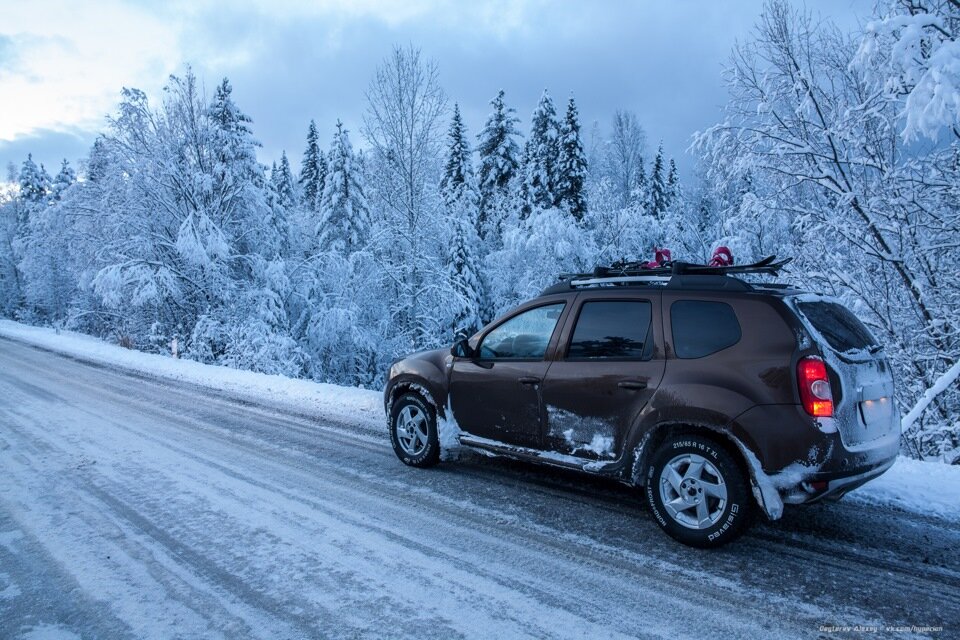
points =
(62, 64)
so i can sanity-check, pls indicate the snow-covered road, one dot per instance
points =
(136, 507)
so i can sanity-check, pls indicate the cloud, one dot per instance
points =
(62, 64)
(489, 16)
(290, 61)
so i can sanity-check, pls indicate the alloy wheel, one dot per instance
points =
(693, 491)
(412, 430)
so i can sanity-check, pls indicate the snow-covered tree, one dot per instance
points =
(401, 124)
(284, 183)
(499, 167)
(47, 244)
(10, 292)
(673, 183)
(236, 198)
(913, 52)
(621, 231)
(37, 245)
(463, 265)
(281, 206)
(184, 213)
(620, 158)
(233, 141)
(659, 193)
(313, 171)
(537, 249)
(541, 155)
(460, 202)
(35, 184)
(458, 169)
(639, 194)
(65, 178)
(344, 215)
(571, 166)
(95, 166)
(11, 301)
(258, 337)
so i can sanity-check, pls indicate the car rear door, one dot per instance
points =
(865, 412)
(607, 368)
(496, 393)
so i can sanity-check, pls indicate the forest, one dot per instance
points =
(840, 150)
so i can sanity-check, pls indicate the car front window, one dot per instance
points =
(524, 336)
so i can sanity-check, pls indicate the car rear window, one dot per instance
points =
(842, 330)
(701, 328)
(610, 329)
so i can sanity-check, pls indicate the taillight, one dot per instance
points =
(815, 392)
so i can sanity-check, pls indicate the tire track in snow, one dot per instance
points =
(92, 539)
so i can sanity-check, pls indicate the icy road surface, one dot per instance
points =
(134, 507)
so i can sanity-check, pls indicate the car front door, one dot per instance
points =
(608, 366)
(495, 394)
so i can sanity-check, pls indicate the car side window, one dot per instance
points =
(701, 328)
(615, 329)
(524, 336)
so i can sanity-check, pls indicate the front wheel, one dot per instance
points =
(697, 492)
(413, 431)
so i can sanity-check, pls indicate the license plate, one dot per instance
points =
(878, 410)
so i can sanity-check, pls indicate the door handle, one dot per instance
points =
(632, 384)
(529, 380)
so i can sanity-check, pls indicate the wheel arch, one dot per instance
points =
(416, 386)
(763, 491)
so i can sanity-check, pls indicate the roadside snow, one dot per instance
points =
(351, 404)
(929, 488)
(49, 632)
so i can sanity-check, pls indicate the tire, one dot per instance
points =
(413, 431)
(698, 493)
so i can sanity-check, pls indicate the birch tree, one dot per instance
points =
(402, 126)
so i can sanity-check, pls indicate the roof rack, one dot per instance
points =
(675, 273)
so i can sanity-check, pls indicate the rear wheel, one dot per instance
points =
(413, 431)
(697, 492)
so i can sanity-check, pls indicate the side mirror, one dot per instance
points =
(461, 349)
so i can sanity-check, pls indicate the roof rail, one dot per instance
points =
(586, 282)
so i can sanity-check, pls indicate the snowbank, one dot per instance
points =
(349, 404)
(929, 488)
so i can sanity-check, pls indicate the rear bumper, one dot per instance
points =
(825, 469)
(833, 485)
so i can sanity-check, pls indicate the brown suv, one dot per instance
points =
(713, 393)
